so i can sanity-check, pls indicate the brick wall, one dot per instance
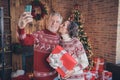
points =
(100, 23)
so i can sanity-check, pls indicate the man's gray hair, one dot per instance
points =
(57, 14)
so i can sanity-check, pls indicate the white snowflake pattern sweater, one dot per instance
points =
(75, 48)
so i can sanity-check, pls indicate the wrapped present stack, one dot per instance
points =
(98, 71)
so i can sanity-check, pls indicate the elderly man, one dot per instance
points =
(44, 42)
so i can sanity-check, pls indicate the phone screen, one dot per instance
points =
(28, 8)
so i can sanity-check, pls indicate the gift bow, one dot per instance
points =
(55, 60)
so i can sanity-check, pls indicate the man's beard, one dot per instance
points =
(52, 29)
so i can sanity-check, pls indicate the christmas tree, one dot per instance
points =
(78, 18)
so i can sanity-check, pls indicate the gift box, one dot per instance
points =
(62, 60)
(106, 75)
(89, 75)
(98, 64)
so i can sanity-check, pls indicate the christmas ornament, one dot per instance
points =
(38, 10)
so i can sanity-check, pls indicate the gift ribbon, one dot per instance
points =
(64, 69)
(55, 60)
(98, 63)
(58, 55)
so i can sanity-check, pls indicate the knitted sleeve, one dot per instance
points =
(25, 39)
(81, 57)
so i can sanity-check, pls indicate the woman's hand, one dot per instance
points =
(68, 74)
(24, 19)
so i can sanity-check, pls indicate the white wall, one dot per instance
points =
(118, 38)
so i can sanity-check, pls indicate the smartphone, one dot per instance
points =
(28, 8)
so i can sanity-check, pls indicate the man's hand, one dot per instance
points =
(24, 19)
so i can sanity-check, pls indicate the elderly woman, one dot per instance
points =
(69, 41)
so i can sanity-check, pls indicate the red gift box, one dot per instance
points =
(63, 60)
(106, 75)
(98, 64)
(89, 75)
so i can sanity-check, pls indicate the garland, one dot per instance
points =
(38, 10)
